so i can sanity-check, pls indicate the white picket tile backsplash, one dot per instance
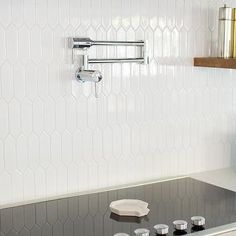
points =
(149, 122)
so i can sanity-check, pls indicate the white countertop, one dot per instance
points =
(225, 178)
(230, 234)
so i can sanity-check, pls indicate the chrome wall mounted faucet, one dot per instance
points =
(83, 74)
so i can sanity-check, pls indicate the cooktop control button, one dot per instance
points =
(161, 229)
(142, 232)
(198, 221)
(180, 224)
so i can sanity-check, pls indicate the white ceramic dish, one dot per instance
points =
(129, 207)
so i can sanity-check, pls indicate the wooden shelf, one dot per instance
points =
(215, 62)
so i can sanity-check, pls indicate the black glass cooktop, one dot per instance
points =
(89, 215)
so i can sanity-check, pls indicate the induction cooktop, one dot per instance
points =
(89, 215)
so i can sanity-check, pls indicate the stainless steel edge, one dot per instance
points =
(87, 43)
(118, 43)
(99, 190)
(116, 60)
(216, 230)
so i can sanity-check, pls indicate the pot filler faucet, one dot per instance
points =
(83, 74)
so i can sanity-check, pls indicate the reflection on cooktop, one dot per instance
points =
(128, 218)
(89, 215)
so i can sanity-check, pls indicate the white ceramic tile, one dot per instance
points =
(10, 153)
(63, 13)
(31, 81)
(5, 183)
(97, 144)
(34, 151)
(58, 45)
(22, 152)
(41, 12)
(5, 13)
(17, 12)
(51, 180)
(54, 81)
(26, 117)
(71, 114)
(52, 15)
(49, 115)
(47, 44)
(135, 18)
(42, 80)
(7, 81)
(83, 176)
(2, 42)
(45, 149)
(87, 145)
(67, 148)
(19, 81)
(56, 137)
(102, 172)
(29, 184)
(60, 114)
(40, 182)
(107, 137)
(55, 151)
(92, 112)
(15, 117)
(1, 157)
(75, 11)
(29, 12)
(36, 39)
(117, 140)
(17, 186)
(38, 115)
(62, 179)
(12, 43)
(73, 177)
(4, 121)
(77, 147)
(92, 175)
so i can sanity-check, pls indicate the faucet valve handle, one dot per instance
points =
(94, 76)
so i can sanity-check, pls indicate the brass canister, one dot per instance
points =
(234, 53)
(226, 32)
